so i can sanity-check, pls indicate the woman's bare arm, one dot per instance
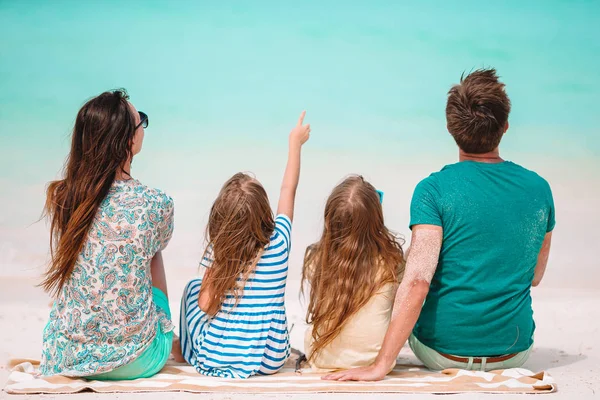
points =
(157, 271)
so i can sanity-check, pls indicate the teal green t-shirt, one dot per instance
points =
(494, 218)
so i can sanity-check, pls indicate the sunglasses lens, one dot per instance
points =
(143, 119)
(380, 194)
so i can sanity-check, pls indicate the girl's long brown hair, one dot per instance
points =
(355, 257)
(239, 227)
(100, 145)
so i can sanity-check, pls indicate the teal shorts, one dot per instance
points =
(153, 359)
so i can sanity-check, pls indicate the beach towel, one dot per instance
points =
(175, 377)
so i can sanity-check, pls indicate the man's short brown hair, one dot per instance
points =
(477, 111)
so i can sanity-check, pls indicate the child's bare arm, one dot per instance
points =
(298, 136)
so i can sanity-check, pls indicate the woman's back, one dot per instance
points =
(104, 316)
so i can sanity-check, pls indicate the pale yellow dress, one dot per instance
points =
(360, 339)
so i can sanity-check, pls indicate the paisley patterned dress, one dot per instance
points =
(104, 317)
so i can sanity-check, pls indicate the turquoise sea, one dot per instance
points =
(224, 81)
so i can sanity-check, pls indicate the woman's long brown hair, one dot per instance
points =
(240, 225)
(100, 145)
(354, 258)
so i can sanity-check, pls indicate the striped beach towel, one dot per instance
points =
(24, 379)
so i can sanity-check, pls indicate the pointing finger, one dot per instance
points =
(301, 119)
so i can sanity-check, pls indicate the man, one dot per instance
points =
(481, 232)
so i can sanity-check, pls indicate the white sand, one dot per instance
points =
(567, 306)
(567, 346)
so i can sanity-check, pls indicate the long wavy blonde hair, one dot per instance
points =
(239, 227)
(354, 258)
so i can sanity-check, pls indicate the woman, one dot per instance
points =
(110, 318)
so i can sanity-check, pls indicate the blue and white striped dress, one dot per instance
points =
(252, 337)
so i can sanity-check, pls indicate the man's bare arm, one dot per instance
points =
(421, 265)
(542, 260)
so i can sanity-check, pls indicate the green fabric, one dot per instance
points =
(494, 218)
(154, 358)
(437, 362)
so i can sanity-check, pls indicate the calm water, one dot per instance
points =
(223, 82)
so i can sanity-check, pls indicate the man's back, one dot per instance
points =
(494, 218)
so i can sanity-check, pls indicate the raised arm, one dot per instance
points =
(542, 260)
(298, 136)
(422, 262)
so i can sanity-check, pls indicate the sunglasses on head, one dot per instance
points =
(380, 194)
(143, 120)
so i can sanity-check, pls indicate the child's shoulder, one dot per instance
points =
(276, 244)
(278, 248)
(282, 232)
(283, 219)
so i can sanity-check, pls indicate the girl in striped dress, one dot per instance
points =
(233, 321)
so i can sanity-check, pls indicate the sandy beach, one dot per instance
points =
(566, 341)
(223, 83)
(566, 305)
